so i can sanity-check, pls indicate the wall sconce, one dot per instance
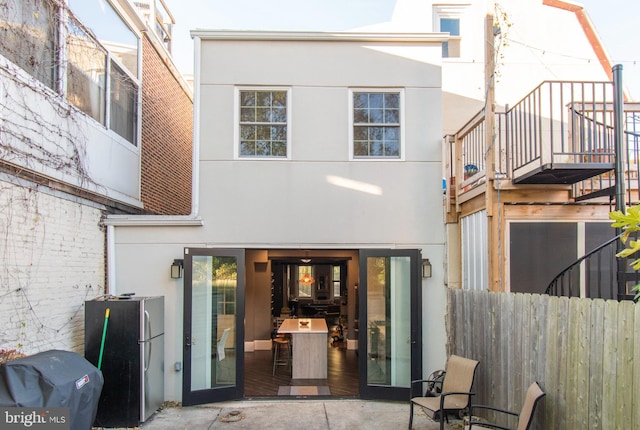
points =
(426, 268)
(176, 269)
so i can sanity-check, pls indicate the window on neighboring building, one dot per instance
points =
(123, 118)
(263, 123)
(86, 72)
(376, 124)
(30, 38)
(452, 47)
(99, 47)
(87, 81)
(448, 18)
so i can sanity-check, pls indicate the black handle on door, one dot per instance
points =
(187, 341)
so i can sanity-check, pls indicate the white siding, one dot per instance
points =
(474, 251)
(43, 133)
(300, 201)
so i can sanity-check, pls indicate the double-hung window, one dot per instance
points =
(376, 124)
(263, 123)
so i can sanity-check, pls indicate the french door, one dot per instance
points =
(389, 338)
(213, 344)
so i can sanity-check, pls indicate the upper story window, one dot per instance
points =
(448, 19)
(93, 47)
(30, 37)
(88, 71)
(263, 123)
(376, 124)
(451, 26)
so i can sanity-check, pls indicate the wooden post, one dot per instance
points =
(494, 281)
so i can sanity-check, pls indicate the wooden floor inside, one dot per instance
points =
(342, 373)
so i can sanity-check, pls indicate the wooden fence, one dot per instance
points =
(584, 353)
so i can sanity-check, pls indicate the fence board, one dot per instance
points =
(493, 360)
(609, 365)
(562, 361)
(581, 368)
(552, 368)
(596, 351)
(479, 348)
(572, 351)
(517, 340)
(539, 319)
(506, 350)
(624, 365)
(580, 350)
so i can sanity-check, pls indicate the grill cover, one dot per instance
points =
(55, 378)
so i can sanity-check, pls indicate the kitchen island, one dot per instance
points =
(309, 338)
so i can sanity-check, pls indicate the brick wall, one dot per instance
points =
(52, 260)
(167, 124)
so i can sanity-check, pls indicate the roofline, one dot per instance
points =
(589, 30)
(320, 36)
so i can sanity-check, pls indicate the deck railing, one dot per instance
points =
(556, 123)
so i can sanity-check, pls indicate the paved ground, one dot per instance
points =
(294, 415)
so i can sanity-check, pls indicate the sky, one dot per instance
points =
(616, 22)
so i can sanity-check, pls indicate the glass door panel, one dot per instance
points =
(213, 344)
(390, 290)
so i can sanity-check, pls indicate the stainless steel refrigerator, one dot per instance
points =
(132, 360)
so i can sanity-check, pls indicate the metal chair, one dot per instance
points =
(525, 417)
(456, 391)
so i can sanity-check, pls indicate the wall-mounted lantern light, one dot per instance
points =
(176, 269)
(426, 268)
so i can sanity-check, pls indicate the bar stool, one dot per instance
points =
(279, 357)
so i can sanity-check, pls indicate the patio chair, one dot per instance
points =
(456, 391)
(533, 396)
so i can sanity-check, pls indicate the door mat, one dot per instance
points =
(303, 390)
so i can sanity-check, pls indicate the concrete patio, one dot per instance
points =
(339, 414)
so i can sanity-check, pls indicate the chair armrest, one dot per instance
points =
(484, 425)
(450, 393)
(415, 381)
(493, 408)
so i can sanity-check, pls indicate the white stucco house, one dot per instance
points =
(318, 165)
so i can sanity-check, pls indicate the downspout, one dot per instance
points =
(111, 260)
(195, 153)
(618, 135)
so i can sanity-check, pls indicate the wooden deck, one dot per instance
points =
(342, 374)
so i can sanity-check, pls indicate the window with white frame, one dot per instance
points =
(451, 26)
(121, 46)
(376, 124)
(263, 123)
(93, 46)
(448, 19)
